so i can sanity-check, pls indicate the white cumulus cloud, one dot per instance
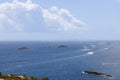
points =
(13, 15)
(29, 16)
(61, 18)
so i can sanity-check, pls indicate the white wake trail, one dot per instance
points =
(110, 63)
(51, 61)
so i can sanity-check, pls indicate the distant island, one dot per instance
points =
(62, 46)
(23, 48)
(18, 77)
(97, 74)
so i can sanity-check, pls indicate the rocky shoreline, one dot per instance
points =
(18, 77)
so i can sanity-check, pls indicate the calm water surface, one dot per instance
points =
(45, 59)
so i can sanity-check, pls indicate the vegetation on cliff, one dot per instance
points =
(18, 77)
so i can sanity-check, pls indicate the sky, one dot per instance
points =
(59, 20)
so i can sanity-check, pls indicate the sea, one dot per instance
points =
(48, 59)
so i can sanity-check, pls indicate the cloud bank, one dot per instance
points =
(28, 16)
(61, 18)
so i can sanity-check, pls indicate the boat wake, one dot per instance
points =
(85, 48)
(89, 53)
(110, 63)
(52, 61)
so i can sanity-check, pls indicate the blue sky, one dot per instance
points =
(59, 20)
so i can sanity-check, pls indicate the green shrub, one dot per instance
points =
(44, 78)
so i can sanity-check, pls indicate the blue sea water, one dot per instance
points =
(46, 59)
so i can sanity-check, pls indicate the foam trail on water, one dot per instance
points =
(85, 48)
(55, 60)
(89, 53)
(51, 61)
(19, 65)
(110, 63)
(92, 45)
(67, 58)
(106, 48)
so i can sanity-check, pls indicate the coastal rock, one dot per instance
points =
(18, 77)
(23, 48)
(97, 74)
(62, 46)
